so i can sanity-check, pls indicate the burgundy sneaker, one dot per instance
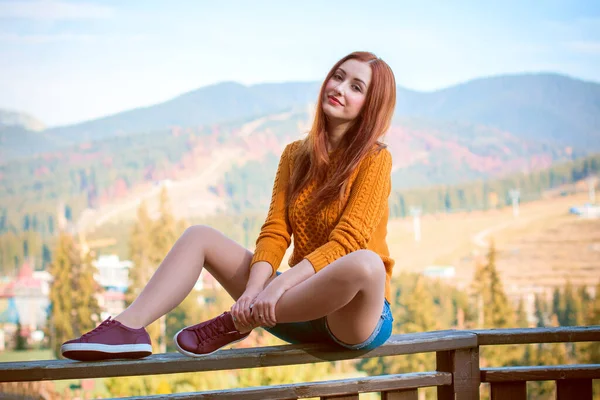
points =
(111, 339)
(207, 337)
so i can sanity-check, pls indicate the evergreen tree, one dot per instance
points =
(522, 321)
(62, 303)
(590, 352)
(20, 340)
(85, 291)
(573, 309)
(162, 238)
(548, 354)
(558, 305)
(540, 311)
(149, 243)
(140, 249)
(495, 310)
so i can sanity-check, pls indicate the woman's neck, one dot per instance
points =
(335, 133)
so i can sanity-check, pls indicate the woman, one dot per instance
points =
(331, 195)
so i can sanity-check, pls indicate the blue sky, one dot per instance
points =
(65, 62)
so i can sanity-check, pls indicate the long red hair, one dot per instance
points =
(359, 141)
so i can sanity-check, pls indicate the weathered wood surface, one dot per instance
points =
(344, 397)
(541, 373)
(464, 366)
(509, 390)
(169, 363)
(563, 334)
(580, 389)
(410, 394)
(327, 389)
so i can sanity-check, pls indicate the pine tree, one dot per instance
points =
(558, 305)
(61, 297)
(85, 291)
(573, 309)
(590, 352)
(20, 340)
(140, 249)
(162, 238)
(149, 243)
(74, 309)
(540, 311)
(495, 310)
(522, 321)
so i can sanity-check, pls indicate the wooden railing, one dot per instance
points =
(458, 375)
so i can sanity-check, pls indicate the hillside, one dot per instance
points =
(549, 107)
(10, 118)
(243, 158)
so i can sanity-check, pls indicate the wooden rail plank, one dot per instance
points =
(328, 389)
(509, 390)
(541, 373)
(410, 394)
(170, 363)
(563, 334)
(580, 389)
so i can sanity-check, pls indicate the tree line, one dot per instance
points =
(418, 304)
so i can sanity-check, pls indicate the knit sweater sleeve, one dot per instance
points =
(366, 206)
(275, 234)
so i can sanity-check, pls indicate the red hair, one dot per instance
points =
(358, 142)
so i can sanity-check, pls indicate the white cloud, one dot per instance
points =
(53, 10)
(585, 47)
(67, 37)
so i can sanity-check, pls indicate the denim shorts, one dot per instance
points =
(317, 331)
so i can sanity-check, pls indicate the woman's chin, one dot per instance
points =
(331, 113)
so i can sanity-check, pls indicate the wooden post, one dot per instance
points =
(409, 394)
(342, 397)
(580, 389)
(464, 366)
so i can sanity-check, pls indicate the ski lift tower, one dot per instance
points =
(416, 213)
(514, 198)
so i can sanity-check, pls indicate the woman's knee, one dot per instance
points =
(199, 233)
(368, 265)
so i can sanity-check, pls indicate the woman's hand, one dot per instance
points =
(241, 311)
(263, 306)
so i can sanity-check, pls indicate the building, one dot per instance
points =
(113, 275)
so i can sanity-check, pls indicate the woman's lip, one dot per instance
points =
(333, 100)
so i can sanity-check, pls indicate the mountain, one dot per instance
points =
(215, 104)
(539, 107)
(547, 107)
(22, 135)
(14, 119)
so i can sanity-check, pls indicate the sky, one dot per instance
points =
(69, 61)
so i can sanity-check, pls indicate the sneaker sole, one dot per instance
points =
(95, 351)
(190, 354)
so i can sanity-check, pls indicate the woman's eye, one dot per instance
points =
(356, 87)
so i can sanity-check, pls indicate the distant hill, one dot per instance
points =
(14, 119)
(540, 107)
(21, 135)
(215, 104)
(547, 107)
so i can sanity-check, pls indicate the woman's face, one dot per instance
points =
(346, 91)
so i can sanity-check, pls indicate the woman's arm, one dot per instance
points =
(275, 234)
(367, 203)
(365, 207)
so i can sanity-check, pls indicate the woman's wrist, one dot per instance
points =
(259, 275)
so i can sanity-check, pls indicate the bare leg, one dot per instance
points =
(349, 291)
(199, 246)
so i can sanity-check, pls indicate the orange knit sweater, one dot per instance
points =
(357, 221)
